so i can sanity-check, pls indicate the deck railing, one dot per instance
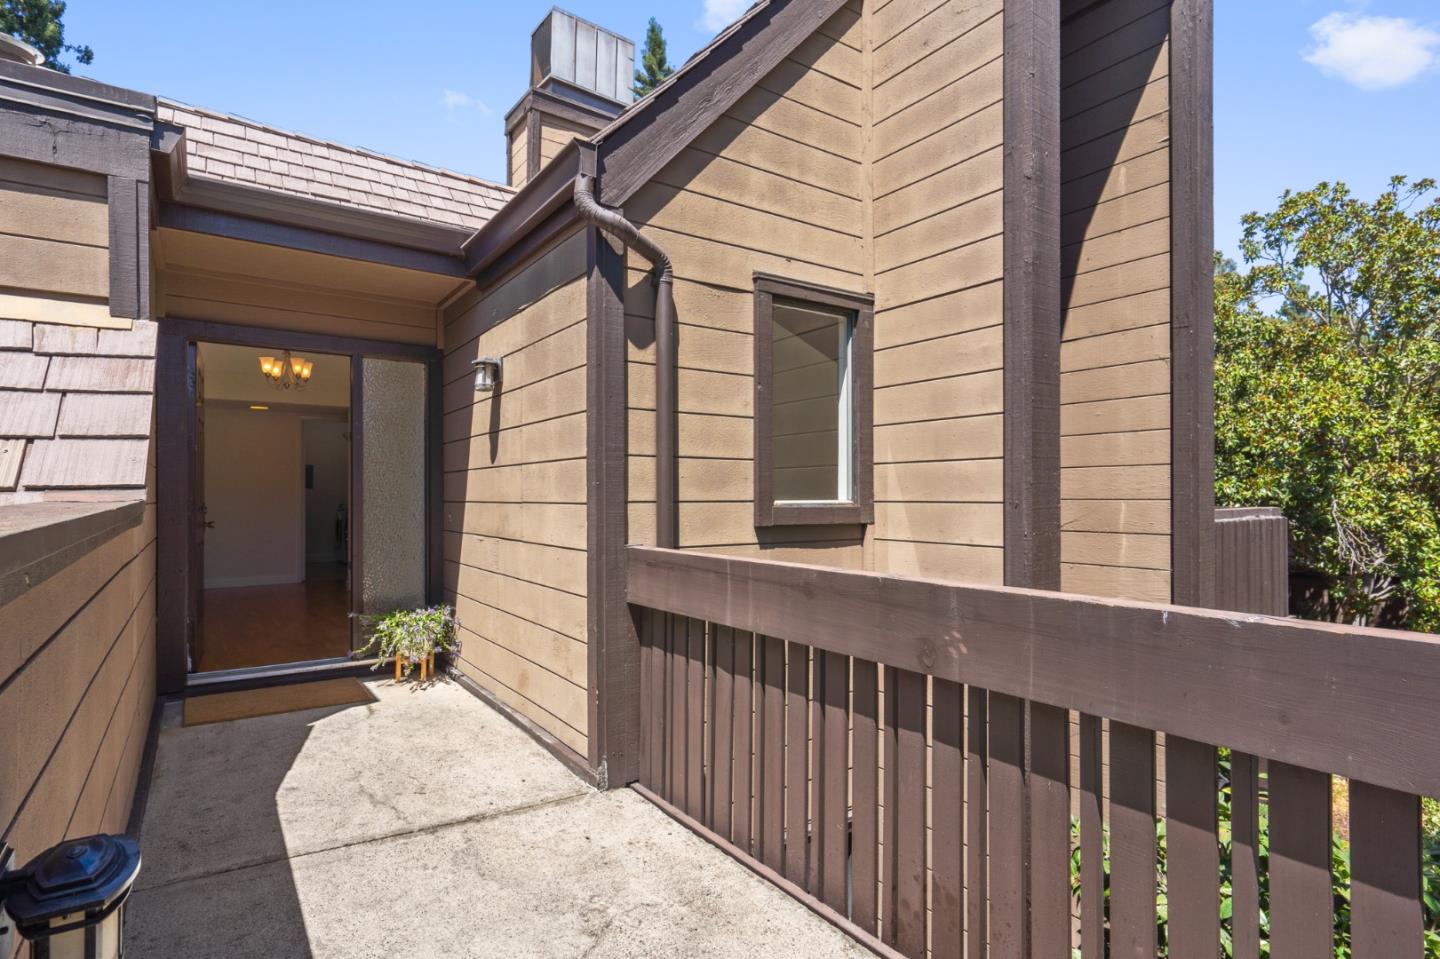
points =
(906, 757)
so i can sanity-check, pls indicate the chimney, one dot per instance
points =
(580, 79)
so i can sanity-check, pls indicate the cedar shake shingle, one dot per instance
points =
(81, 464)
(101, 374)
(15, 334)
(22, 371)
(137, 341)
(12, 453)
(72, 340)
(229, 148)
(28, 414)
(104, 415)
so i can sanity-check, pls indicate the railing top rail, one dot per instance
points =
(1353, 701)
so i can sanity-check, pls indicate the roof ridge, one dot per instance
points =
(321, 141)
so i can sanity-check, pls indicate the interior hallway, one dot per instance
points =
(249, 626)
(427, 825)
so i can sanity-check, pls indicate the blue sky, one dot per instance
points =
(1305, 90)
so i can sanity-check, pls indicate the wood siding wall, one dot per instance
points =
(1115, 356)
(937, 168)
(555, 133)
(77, 686)
(54, 245)
(515, 495)
(519, 159)
(230, 281)
(776, 185)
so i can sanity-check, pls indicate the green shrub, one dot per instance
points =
(409, 635)
(1339, 873)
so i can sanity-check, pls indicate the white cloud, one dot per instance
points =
(1373, 53)
(455, 100)
(721, 13)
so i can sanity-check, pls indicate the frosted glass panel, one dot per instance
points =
(392, 414)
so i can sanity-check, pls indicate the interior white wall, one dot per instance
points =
(326, 447)
(254, 493)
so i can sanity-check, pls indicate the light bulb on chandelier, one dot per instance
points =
(286, 372)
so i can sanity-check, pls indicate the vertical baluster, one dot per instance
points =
(1048, 800)
(695, 718)
(1007, 835)
(947, 810)
(676, 645)
(1244, 856)
(908, 829)
(742, 740)
(1092, 840)
(1386, 918)
(644, 628)
(831, 778)
(891, 787)
(797, 765)
(723, 723)
(865, 820)
(977, 824)
(1300, 892)
(1132, 842)
(1192, 850)
(772, 754)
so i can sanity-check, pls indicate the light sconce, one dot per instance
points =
(487, 373)
(70, 899)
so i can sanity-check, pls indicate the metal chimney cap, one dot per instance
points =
(18, 51)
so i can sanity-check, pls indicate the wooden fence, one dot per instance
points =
(897, 754)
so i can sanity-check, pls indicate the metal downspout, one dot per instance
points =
(666, 419)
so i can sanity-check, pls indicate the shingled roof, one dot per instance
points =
(223, 147)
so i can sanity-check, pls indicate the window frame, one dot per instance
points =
(860, 509)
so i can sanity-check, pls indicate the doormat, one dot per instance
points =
(248, 703)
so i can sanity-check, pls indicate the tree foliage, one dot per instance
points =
(1327, 388)
(654, 65)
(38, 23)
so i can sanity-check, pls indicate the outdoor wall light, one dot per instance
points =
(69, 901)
(487, 373)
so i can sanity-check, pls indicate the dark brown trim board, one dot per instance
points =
(1032, 304)
(533, 136)
(213, 332)
(613, 646)
(527, 210)
(173, 420)
(129, 231)
(641, 142)
(1192, 299)
(861, 509)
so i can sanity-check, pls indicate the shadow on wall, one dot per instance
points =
(1087, 162)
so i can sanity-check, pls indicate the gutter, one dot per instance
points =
(614, 223)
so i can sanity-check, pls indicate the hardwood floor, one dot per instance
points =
(268, 625)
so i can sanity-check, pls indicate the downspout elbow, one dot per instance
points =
(667, 532)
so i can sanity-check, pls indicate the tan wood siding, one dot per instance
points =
(554, 134)
(520, 156)
(1115, 355)
(775, 185)
(937, 179)
(250, 284)
(54, 244)
(77, 677)
(515, 468)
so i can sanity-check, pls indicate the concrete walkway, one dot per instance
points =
(426, 825)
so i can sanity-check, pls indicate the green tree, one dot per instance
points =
(654, 65)
(38, 23)
(1327, 389)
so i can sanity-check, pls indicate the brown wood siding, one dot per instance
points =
(77, 677)
(937, 178)
(1115, 354)
(775, 185)
(519, 156)
(515, 498)
(554, 134)
(54, 244)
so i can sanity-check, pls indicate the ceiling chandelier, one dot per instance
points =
(287, 371)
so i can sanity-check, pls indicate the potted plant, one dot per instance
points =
(411, 637)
